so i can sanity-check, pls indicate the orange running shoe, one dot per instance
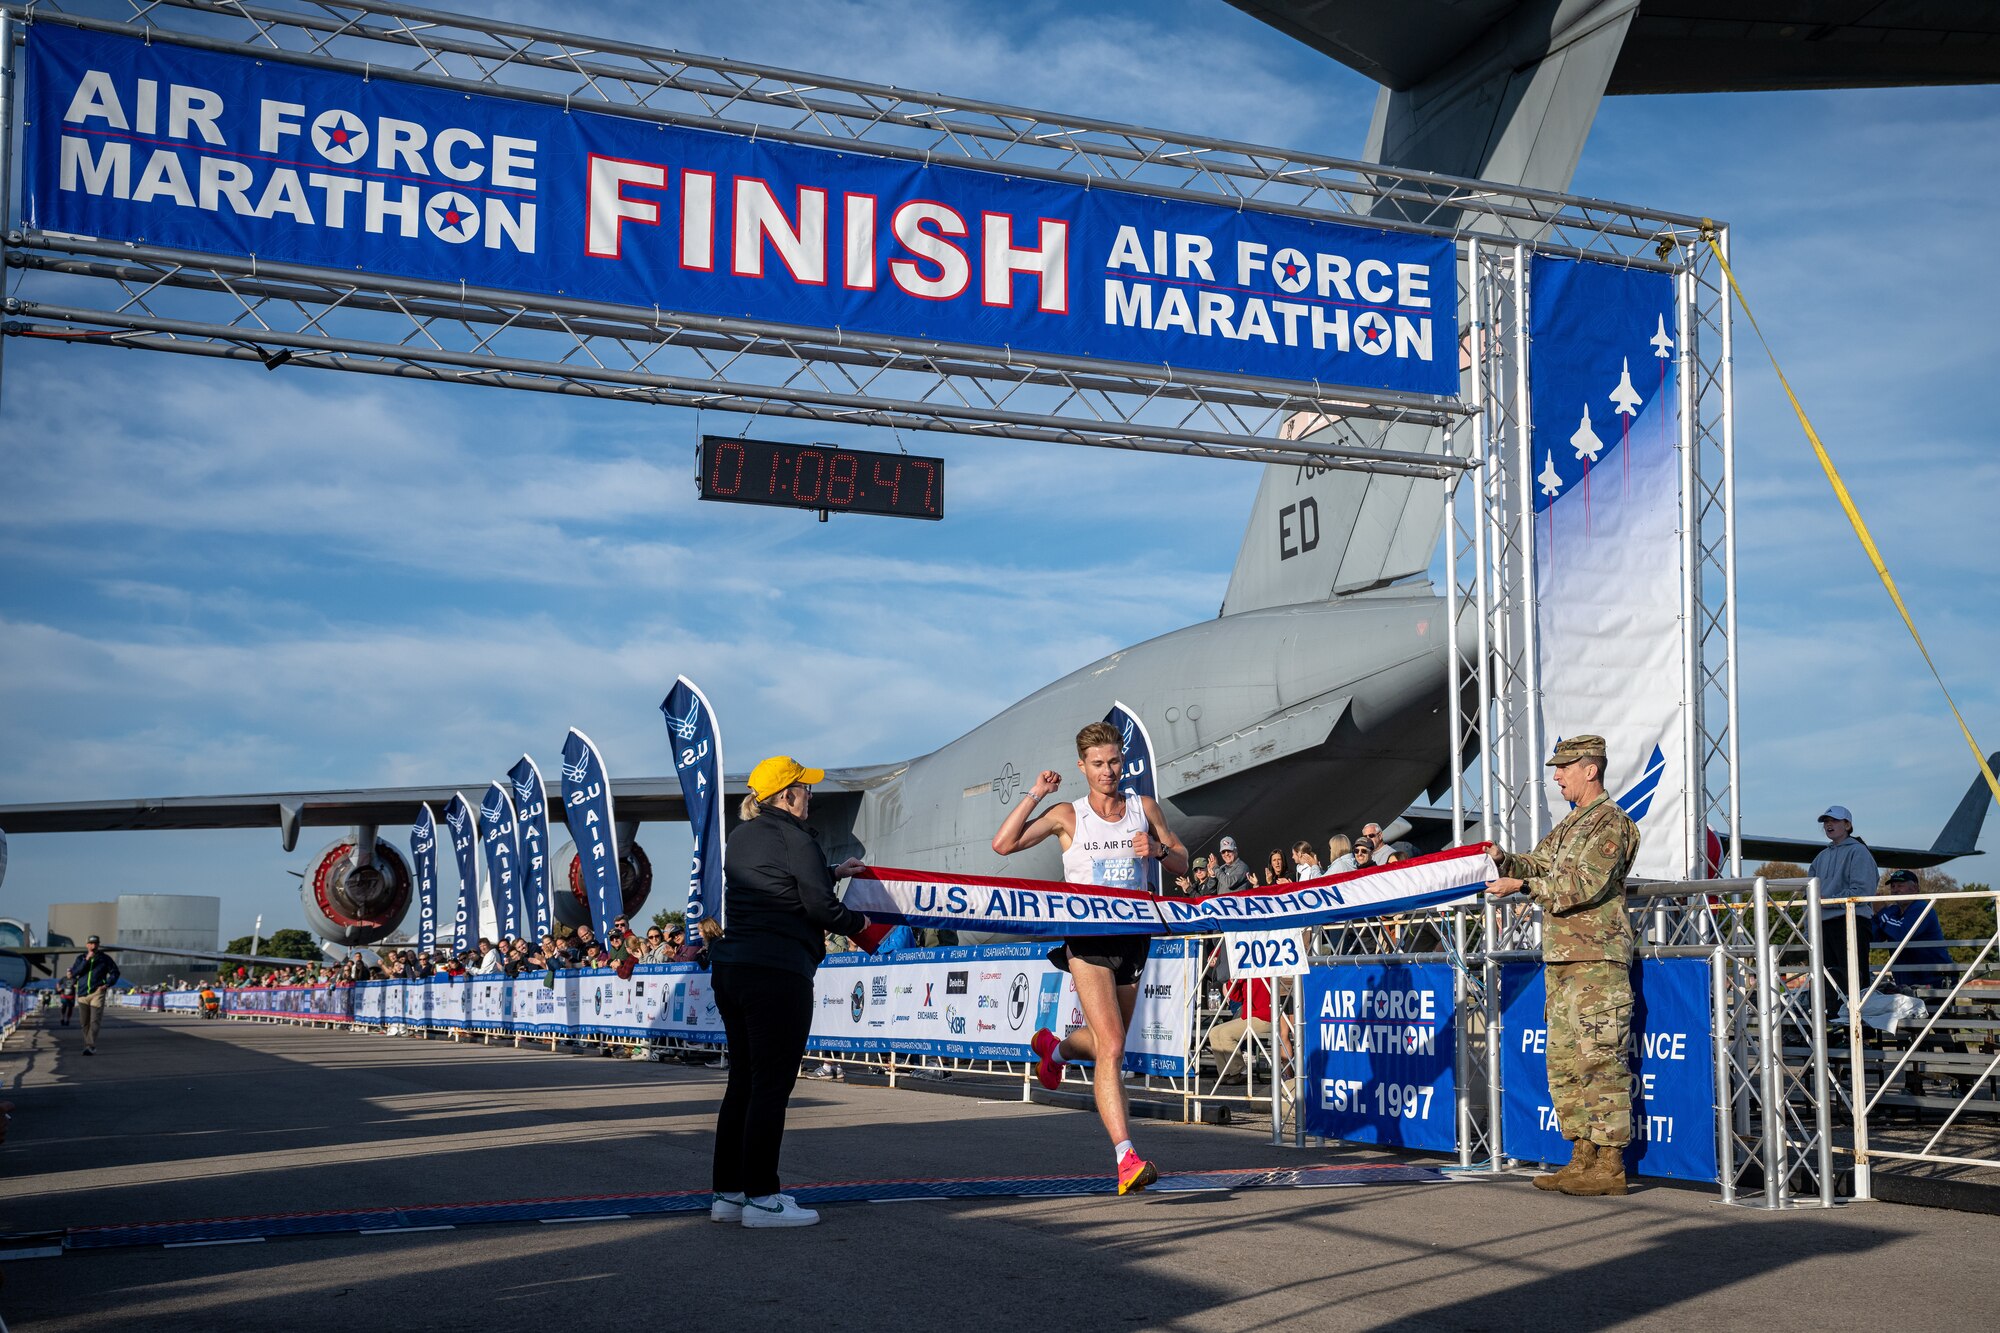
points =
(1135, 1173)
(1049, 1065)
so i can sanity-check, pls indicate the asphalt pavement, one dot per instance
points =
(176, 1118)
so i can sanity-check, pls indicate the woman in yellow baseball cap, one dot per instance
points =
(779, 902)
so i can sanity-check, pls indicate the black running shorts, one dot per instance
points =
(1125, 955)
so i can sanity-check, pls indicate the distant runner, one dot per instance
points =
(1105, 837)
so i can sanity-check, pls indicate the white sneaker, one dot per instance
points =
(726, 1208)
(777, 1210)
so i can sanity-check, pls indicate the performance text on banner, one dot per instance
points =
(150, 142)
(1673, 1092)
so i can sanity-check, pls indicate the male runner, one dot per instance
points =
(1106, 839)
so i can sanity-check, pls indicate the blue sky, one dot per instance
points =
(214, 579)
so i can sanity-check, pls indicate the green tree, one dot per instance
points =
(281, 944)
(664, 921)
(1780, 870)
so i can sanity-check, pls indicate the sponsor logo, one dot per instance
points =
(878, 991)
(904, 1018)
(1159, 990)
(578, 771)
(985, 1026)
(1017, 1001)
(954, 983)
(830, 1001)
(988, 1002)
(907, 988)
(954, 1021)
(929, 987)
(857, 1002)
(928, 1015)
(991, 976)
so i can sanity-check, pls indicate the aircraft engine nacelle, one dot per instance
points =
(350, 903)
(635, 878)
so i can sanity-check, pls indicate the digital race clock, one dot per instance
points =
(822, 477)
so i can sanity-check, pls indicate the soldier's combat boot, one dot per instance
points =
(1581, 1153)
(1604, 1175)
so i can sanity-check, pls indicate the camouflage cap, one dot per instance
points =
(1572, 748)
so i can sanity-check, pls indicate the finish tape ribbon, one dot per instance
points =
(1040, 907)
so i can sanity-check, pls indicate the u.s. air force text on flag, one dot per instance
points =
(503, 859)
(697, 742)
(463, 822)
(1050, 908)
(147, 141)
(1135, 749)
(423, 856)
(531, 823)
(586, 793)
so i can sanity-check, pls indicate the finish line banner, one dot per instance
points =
(165, 145)
(1048, 908)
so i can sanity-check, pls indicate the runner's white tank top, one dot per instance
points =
(1101, 852)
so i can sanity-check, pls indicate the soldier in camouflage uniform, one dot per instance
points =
(1577, 877)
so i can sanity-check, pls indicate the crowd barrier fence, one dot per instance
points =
(1421, 1031)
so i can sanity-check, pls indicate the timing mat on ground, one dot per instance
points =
(609, 1207)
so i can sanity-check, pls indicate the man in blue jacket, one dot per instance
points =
(94, 974)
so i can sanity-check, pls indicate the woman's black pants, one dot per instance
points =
(767, 1013)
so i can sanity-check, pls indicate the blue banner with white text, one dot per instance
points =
(1135, 747)
(147, 141)
(503, 860)
(423, 856)
(1673, 1097)
(698, 760)
(531, 825)
(586, 794)
(460, 818)
(1380, 1045)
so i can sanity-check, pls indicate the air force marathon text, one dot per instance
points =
(186, 149)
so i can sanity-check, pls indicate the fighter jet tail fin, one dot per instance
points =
(1961, 832)
(1315, 535)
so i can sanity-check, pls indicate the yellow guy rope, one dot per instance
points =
(1853, 514)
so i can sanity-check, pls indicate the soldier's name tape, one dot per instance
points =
(1050, 908)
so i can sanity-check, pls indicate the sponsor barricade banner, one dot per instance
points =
(985, 1003)
(1605, 392)
(966, 1003)
(1054, 908)
(531, 823)
(697, 744)
(330, 1004)
(1379, 1044)
(147, 141)
(1673, 1089)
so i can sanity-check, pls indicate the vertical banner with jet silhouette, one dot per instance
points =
(1137, 748)
(423, 856)
(1604, 385)
(698, 760)
(503, 860)
(586, 794)
(464, 826)
(531, 823)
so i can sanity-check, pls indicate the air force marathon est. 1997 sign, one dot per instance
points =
(165, 145)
